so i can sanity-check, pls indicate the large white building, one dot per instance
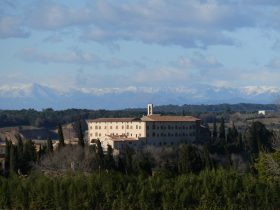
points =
(152, 129)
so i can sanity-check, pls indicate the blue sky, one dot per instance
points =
(147, 43)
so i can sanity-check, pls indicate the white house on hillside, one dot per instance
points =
(152, 129)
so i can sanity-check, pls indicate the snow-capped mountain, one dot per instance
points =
(40, 96)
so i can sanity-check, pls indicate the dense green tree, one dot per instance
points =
(142, 162)
(208, 162)
(60, 136)
(128, 159)
(29, 156)
(258, 138)
(189, 160)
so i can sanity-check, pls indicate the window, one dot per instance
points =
(122, 127)
(99, 134)
(105, 127)
(96, 134)
(111, 127)
(136, 126)
(117, 127)
(90, 127)
(131, 127)
(147, 127)
(127, 127)
(96, 127)
(139, 126)
(99, 127)
(154, 134)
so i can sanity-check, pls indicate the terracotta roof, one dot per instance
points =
(114, 120)
(160, 118)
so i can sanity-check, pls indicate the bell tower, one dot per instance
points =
(150, 109)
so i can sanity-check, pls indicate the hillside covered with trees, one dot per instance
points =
(231, 170)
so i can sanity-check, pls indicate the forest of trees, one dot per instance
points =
(232, 170)
(50, 118)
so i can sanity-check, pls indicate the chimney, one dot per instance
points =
(150, 110)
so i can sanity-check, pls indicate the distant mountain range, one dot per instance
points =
(40, 96)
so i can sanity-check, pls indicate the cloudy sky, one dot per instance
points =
(131, 43)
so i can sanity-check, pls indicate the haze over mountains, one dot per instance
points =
(40, 96)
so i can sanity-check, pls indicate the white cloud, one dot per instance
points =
(186, 23)
(199, 61)
(51, 16)
(31, 54)
(10, 26)
(274, 63)
(76, 56)
(249, 90)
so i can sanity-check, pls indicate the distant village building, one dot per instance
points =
(152, 129)
(261, 112)
(266, 112)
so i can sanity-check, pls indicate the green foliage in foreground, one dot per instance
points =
(208, 190)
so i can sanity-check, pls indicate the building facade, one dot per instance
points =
(152, 129)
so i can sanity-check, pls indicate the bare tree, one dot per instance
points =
(70, 157)
(276, 140)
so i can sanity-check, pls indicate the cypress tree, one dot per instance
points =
(60, 136)
(110, 162)
(7, 154)
(80, 134)
(232, 135)
(49, 146)
(13, 158)
(215, 133)
(222, 132)
(100, 154)
(20, 161)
